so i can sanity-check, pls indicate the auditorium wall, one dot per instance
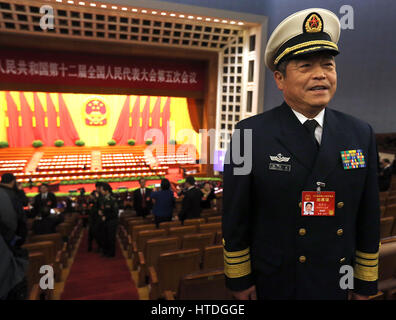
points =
(366, 66)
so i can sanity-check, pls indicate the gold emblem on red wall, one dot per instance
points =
(95, 112)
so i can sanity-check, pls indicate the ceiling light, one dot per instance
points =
(181, 16)
(81, 3)
(135, 10)
(114, 7)
(144, 11)
(154, 12)
(190, 17)
(103, 6)
(163, 13)
(93, 4)
(241, 23)
(216, 20)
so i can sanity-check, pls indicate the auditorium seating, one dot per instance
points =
(172, 266)
(36, 260)
(181, 231)
(386, 227)
(202, 285)
(51, 256)
(142, 237)
(61, 246)
(51, 249)
(195, 222)
(387, 268)
(210, 227)
(153, 249)
(199, 240)
(213, 257)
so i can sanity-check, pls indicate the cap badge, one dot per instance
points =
(313, 23)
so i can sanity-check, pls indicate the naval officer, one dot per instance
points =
(303, 151)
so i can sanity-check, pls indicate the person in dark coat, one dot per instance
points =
(191, 203)
(208, 197)
(94, 218)
(14, 259)
(46, 223)
(44, 199)
(109, 214)
(163, 203)
(276, 161)
(141, 199)
(385, 175)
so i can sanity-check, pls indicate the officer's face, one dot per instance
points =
(309, 83)
(308, 207)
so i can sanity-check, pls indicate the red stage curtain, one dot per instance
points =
(40, 130)
(194, 116)
(145, 122)
(28, 133)
(25, 126)
(123, 131)
(51, 130)
(135, 120)
(14, 138)
(165, 119)
(67, 131)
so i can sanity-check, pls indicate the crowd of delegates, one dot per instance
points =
(100, 211)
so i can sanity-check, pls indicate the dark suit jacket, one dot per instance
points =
(40, 203)
(191, 204)
(262, 220)
(47, 225)
(137, 202)
(385, 178)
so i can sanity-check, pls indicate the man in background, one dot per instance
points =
(109, 214)
(141, 199)
(191, 203)
(385, 175)
(44, 199)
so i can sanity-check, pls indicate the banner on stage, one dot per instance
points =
(67, 68)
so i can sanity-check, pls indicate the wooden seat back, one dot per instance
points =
(36, 260)
(198, 240)
(210, 227)
(181, 231)
(386, 227)
(214, 219)
(55, 237)
(145, 235)
(203, 285)
(137, 228)
(213, 258)
(48, 248)
(390, 211)
(169, 224)
(194, 222)
(173, 266)
(155, 247)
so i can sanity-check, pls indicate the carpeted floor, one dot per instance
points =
(93, 277)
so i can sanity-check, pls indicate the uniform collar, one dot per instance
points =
(319, 118)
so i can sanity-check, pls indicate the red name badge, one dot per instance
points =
(318, 203)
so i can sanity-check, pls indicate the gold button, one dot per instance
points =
(340, 232)
(342, 260)
(300, 204)
(302, 259)
(340, 205)
(302, 232)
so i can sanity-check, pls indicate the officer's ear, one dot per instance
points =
(279, 78)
